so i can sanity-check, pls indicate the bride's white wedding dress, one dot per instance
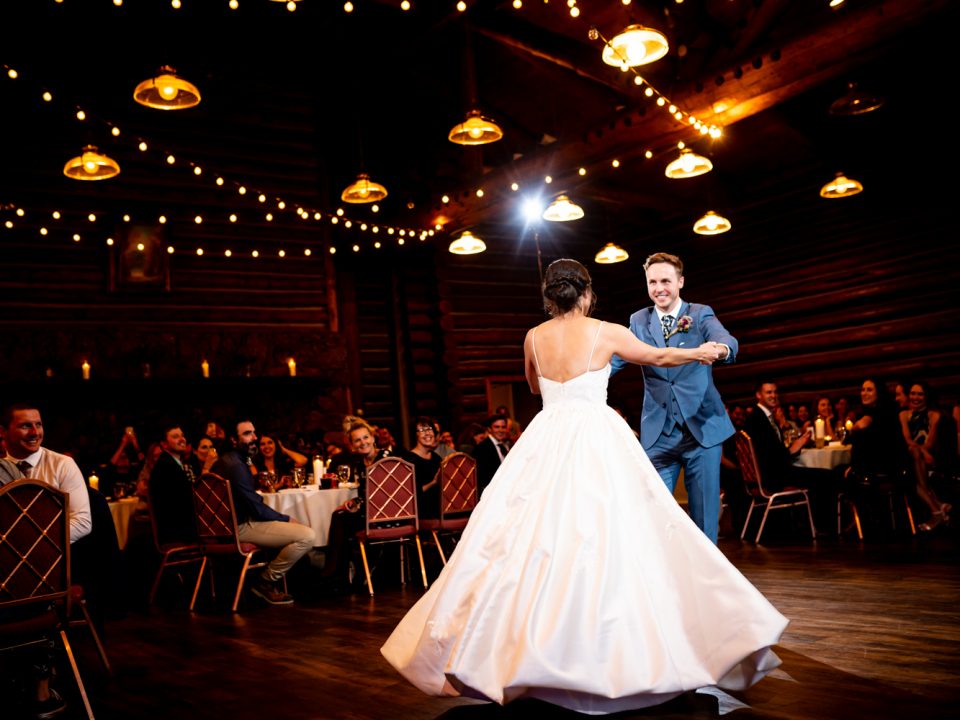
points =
(580, 581)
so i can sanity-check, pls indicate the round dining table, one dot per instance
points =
(122, 511)
(311, 506)
(825, 458)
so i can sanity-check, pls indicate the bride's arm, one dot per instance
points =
(626, 345)
(529, 368)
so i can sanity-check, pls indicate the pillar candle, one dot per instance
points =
(317, 470)
(86, 370)
(818, 428)
(205, 367)
(292, 364)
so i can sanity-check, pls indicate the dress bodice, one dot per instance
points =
(590, 386)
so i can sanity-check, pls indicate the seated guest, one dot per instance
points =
(171, 489)
(276, 458)
(471, 436)
(920, 425)
(490, 452)
(21, 429)
(803, 417)
(825, 412)
(426, 462)
(900, 394)
(385, 440)
(348, 519)
(775, 459)
(445, 444)
(257, 522)
(513, 427)
(205, 452)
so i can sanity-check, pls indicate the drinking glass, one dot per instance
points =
(343, 473)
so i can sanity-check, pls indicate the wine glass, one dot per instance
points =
(343, 473)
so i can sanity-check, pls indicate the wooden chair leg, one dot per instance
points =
(423, 568)
(196, 587)
(76, 674)
(436, 539)
(366, 566)
(906, 502)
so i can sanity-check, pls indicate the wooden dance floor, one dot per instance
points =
(874, 633)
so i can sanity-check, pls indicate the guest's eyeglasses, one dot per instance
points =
(426, 430)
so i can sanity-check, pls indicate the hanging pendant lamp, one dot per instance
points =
(562, 210)
(167, 91)
(840, 187)
(610, 254)
(363, 190)
(475, 130)
(711, 224)
(635, 45)
(467, 244)
(688, 165)
(855, 102)
(91, 164)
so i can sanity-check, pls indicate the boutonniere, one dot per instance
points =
(683, 325)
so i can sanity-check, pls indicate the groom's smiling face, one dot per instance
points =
(663, 285)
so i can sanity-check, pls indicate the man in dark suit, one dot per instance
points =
(775, 459)
(171, 489)
(491, 451)
(684, 420)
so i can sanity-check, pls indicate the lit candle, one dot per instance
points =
(849, 425)
(317, 470)
(94, 481)
(292, 364)
(205, 367)
(818, 430)
(86, 370)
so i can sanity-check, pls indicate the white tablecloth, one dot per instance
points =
(310, 506)
(826, 458)
(122, 510)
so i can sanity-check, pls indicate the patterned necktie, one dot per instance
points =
(24, 467)
(667, 321)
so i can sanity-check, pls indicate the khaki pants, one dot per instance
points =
(293, 540)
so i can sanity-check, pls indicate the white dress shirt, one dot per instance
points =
(62, 472)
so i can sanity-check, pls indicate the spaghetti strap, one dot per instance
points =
(533, 344)
(595, 338)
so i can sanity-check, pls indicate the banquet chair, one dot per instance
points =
(391, 513)
(458, 496)
(172, 554)
(872, 487)
(218, 534)
(789, 497)
(35, 590)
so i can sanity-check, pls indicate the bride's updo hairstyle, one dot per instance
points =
(565, 282)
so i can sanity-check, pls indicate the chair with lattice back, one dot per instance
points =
(788, 497)
(391, 513)
(35, 591)
(458, 497)
(217, 532)
(172, 553)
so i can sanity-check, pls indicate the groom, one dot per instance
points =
(684, 421)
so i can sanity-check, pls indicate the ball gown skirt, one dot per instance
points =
(581, 582)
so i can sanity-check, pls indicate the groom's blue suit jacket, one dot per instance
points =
(692, 385)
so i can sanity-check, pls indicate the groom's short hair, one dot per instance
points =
(664, 258)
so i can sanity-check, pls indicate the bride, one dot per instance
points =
(579, 580)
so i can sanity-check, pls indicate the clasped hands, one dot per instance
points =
(712, 352)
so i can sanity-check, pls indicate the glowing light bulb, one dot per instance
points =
(348, 7)
(115, 131)
(233, 6)
(461, 6)
(140, 247)
(167, 90)
(47, 97)
(405, 5)
(291, 6)
(142, 146)
(475, 132)
(90, 167)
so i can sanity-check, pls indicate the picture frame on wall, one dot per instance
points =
(139, 260)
